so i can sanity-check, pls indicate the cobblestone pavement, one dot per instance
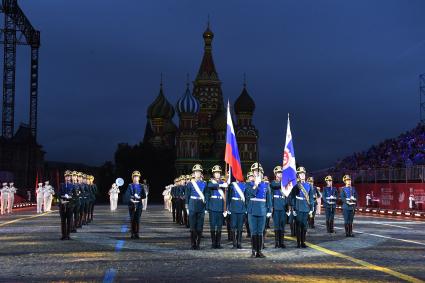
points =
(384, 250)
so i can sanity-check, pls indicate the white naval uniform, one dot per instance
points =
(145, 200)
(11, 199)
(113, 197)
(40, 198)
(166, 196)
(48, 192)
(3, 198)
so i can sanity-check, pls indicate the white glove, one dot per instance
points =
(268, 214)
(228, 212)
(294, 213)
(225, 213)
(288, 213)
(136, 196)
(224, 185)
(187, 210)
(310, 213)
(206, 211)
(67, 196)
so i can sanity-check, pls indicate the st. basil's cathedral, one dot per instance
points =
(200, 136)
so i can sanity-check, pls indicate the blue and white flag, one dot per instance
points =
(289, 170)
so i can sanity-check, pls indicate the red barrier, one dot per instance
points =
(391, 195)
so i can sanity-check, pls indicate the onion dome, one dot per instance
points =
(187, 103)
(208, 34)
(244, 103)
(220, 121)
(161, 108)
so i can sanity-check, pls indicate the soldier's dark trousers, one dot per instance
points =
(91, 210)
(135, 212)
(76, 212)
(184, 216)
(179, 213)
(66, 211)
(330, 214)
(248, 231)
(173, 208)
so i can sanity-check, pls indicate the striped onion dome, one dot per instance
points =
(161, 108)
(187, 103)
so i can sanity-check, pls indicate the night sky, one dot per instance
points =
(347, 71)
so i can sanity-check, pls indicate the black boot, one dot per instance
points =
(239, 239)
(331, 226)
(276, 238)
(303, 233)
(253, 245)
(136, 234)
(198, 239)
(213, 239)
(351, 230)
(312, 223)
(282, 239)
(298, 232)
(347, 232)
(263, 245)
(260, 243)
(235, 239)
(192, 240)
(218, 240)
(293, 229)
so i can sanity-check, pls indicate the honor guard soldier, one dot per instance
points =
(11, 197)
(216, 206)
(316, 196)
(179, 193)
(330, 196)
(196, 204)
(303, 206)
(185, 181)
(249, 179)
(77, 202)
(280, 203)
(349, 200)
(86, 198)
(236, 208)
(135, 206)
(66, 191)
(174, 199)
(93, 192)
(259, 206)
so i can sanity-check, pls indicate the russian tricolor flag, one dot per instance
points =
(231, 156)
(289, 170)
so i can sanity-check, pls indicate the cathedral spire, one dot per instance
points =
(207, 68)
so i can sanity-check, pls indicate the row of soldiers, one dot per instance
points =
(7, 197)
(256, 200)
(77, 196)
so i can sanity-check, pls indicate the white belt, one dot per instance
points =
(278, 196)
(193, 197)
(235, 198)
(219, 197)
(331, 202)
(258, 199)
(300, 198)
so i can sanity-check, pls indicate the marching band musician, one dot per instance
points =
(48, 193)
(66, 202)
(259, 207)
(11, 197)
(349, 200)
(236, 208)
(330, 196)
(303, 205)
(216, 205)
(40, 198)
(280, 203)
(196, 204)
(135, 206)
(3, 198)
(113, 196)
